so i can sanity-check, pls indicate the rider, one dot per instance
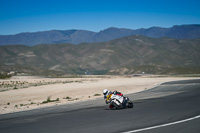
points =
(106, 93)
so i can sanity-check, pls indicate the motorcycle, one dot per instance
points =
(119, 101)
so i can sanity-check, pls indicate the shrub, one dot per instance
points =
(49, 100)
(57, 99)
(4, 76)
(97, 95)
(15, 88)
(68, 97)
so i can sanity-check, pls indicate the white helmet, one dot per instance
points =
(105, 91)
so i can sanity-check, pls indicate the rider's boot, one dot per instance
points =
(125, 102)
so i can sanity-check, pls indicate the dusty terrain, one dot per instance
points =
(25, 93)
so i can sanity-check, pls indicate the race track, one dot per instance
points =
(168, 103)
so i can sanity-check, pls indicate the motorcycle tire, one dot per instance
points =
(130, 104)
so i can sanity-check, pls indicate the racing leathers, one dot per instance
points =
(108, 99)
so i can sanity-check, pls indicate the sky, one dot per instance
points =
(18, 16)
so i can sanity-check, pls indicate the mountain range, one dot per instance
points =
(83, 36)
(126, 55)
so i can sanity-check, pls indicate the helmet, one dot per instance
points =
(105, 91)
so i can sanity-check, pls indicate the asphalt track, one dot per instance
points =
(170, 102)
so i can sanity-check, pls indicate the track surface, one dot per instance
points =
(169, 102)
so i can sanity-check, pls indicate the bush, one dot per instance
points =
(49, 100)
(68, 97)
(4, 76)
(97, 95)
(57, 99)
(15, 88)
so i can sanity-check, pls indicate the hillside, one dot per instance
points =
(81, 36)
(132, 54)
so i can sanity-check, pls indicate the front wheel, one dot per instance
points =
(130, 104)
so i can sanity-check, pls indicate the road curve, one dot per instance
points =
(170, 102)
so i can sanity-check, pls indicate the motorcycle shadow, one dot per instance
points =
(116, 109)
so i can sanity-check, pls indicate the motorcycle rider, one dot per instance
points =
(107, 92)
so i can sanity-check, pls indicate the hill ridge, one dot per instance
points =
(127, 55)
(75, 36)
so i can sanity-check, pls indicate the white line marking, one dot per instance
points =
(164, 125)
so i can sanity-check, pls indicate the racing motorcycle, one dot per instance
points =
(119, 101)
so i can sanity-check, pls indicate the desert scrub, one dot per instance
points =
(73, 99)
(64, 82)
(97, 95)
(49, 100)
(15, 88)
(9, 85)
(4, 76)
(33, 103)
(67, 97)
(57, 100)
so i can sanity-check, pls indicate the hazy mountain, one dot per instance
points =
(132, 54)
(83, 36)
(112, 33)
(47, 37)
(178, 32)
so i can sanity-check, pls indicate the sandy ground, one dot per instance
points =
(35, 90)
